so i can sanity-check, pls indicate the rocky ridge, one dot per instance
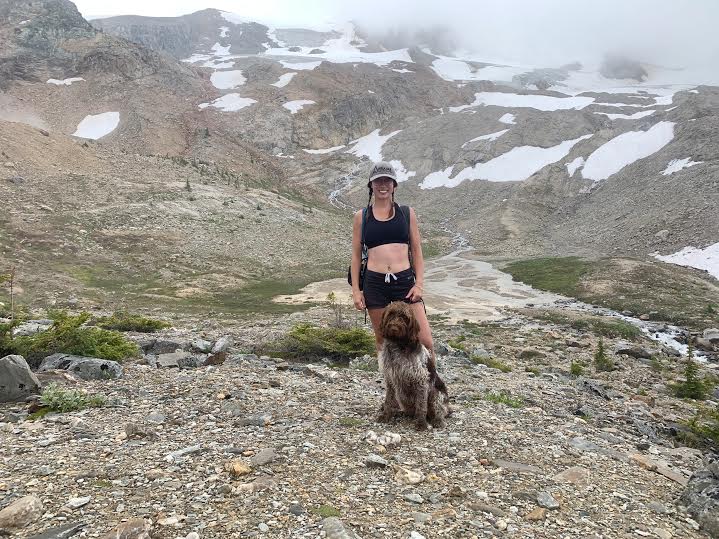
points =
(256, 446)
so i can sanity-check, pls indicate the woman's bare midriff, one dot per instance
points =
(391, 257)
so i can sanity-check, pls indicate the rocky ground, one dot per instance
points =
(261, 447)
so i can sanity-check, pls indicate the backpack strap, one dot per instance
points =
(364, 221)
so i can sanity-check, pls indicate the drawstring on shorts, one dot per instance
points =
(388, 275)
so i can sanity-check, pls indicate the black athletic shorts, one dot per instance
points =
(378, 293)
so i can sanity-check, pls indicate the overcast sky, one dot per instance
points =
(674, 33)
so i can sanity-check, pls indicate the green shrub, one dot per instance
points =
(576, 369)
(705, 425)
(458, 343)
(491, 362)
(124, 321)
(59, 399)
(326, 511)
(602, 363)
(350, 422)
(308, 342)
(506, 398)
(67, 337)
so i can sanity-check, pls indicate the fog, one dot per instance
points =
(669, 33)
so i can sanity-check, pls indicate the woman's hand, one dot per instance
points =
(358, 299)
(414, 294)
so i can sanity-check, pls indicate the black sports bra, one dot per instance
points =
(383, 232)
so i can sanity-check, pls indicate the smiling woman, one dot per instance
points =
(387, 234)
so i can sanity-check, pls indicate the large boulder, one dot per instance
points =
(711, 335)
(17, 381)
(87, 368)
(701, 496)
(633, 350)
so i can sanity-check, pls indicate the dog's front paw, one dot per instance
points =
(438, 423)
(421, 424)
(384, 417)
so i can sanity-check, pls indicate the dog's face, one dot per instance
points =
(399, 324)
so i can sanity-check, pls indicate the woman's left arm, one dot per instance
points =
(415, 244)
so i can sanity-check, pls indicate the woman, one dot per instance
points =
(389, 275)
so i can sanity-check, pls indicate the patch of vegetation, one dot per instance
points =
(608, 328)
(124, 321)
(665, 292)
(506, 398)
(61, 400)
(491, 362)
(605, 327)
(576, 369)
(705, 426)
(533, 370)
(350, 422)
(68, 336)
(602, 363)
(308, 342)
(458, 342)
(560, 275)
(325, 511)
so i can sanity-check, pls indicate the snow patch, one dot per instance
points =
(284, 80)
(490, 136)
(455, 69)
(575, 164)
(325, 150)
(635, 116)
(229, 103)
(539, 102)
(224, 30)
(675, 165)
(625, 149)
(371, 145)
(303, 66)
(518, 164)
(96, 126)
(219, 50)
(64, 82)
(508, 119)
(295, 106)
(402, 173)
(226, 80)
(705, 259)
(403, 70)
(234, 18)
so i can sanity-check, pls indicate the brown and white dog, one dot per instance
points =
(413, 387)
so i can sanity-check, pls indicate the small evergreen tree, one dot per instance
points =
(693, 386)
(602, 363)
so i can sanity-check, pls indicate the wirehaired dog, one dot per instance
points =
(413, 387)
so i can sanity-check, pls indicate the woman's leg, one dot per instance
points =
(375, 316)
(425, 332)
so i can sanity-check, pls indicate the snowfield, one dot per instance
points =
(227, 80)
(229, 103)
(516, 165)
(625, 149)
(539, 102)
(96, 126)
(705, 259)
(490, 136)
(371, 145)
(64, 82)
(675, 165)
(284, 80)
(295, 106)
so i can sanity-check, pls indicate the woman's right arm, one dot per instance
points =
(357, 295)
